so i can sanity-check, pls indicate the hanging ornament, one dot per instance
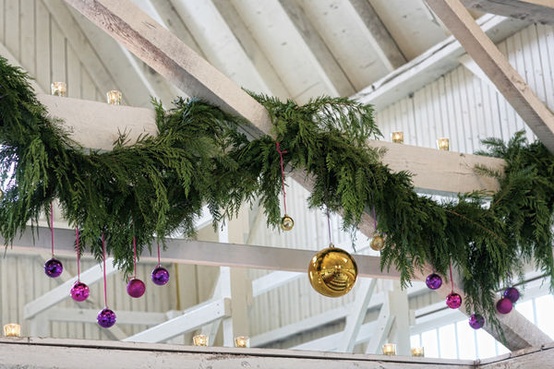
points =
(106, 318)
(377, 242)
(287, 223)
(476, 321)
(135, 287)
(332, 272)
(512, 294)
(80, 291)
(53, 268)
(453, 300)
(433, 281)
(159, 275)
(504, 305)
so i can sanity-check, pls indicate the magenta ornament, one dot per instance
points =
(433, 281)
(504, 305)
(512, 294)
(53, 268)
(136, 288)
(106, 318)
(454, 300)
(79, 292)
(476, 321)
(160, 276)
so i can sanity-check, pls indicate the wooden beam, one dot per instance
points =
(508, 81)
(430, 65)
(536, 11)
(43, 353)
(210, 253)
(96, 125)
(536, 357)
(170, 57)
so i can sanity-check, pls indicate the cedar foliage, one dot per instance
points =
(157, 185)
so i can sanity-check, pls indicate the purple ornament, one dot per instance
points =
(512, 294)
(53, 268)
(79, 291)
(433, 281)
(453, 300)
(136, 288)
(160, 276)
(106, 318)
(476, 321)
(504, 305)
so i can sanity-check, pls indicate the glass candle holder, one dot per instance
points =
(242, 341)
(114, 97)
(58, 89)
(397, 137)
(443, 143)
(200, 340)
(12, 330)
(389, 349)
(418, 352)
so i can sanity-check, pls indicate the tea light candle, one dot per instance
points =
(397, 137)
(418, 352)
(12, 330)
(242, 341)
(114, 97)
(58, 89)
(443, 143)
(389, 349)
(200, 340)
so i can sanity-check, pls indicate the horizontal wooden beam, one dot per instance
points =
(206, 253)
(97, 125)
(536, 11)
(43, 353)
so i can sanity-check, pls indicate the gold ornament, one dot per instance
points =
(377, 243)
(332, 272)
(287, 223)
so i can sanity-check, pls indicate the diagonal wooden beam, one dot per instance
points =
(497, 67)
(536, 11)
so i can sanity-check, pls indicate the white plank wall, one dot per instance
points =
(467, 109)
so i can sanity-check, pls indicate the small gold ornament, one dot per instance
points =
(377, 243)
(332, 272)
(287, 223)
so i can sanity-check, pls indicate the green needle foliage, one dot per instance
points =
(150, 188)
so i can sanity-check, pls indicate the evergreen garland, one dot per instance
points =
(159, 184)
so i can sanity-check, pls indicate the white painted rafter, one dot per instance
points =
(537, 11)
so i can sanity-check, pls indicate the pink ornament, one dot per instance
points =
(79, 291)
(454, 300)
(504, 305)
(136, 288)
(53, 268)
(106, 318)
(160, 276)
(433, 281)
(476, 321)
(512, 294)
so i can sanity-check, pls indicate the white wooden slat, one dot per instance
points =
(536, 11)
(42, 72)
(384, 323)
(27, 37)
(2, 21)
(12, 34)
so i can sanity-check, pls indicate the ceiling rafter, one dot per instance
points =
(536, 11)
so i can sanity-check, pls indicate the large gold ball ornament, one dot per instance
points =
(332, 272)
(287, 223)
(377, 242)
